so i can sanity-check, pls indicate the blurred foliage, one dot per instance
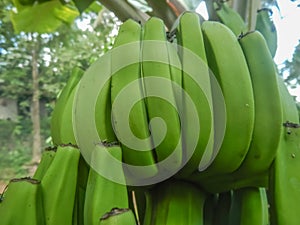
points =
(78, 44)
(292, 68)
(15, 151)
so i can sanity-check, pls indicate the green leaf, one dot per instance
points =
(82, 5)
(94, 7)
(42, 18)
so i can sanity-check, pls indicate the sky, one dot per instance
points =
(288, 31)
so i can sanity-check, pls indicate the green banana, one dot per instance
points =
(283, 192)
(266, 26)
(59, 186)
(67, 131)
(231, 18)
(175, 202)
(253, 206)
(227, 62)
(21, 203)
(118, 217)
(267, 129)
(56, 117)
(266, 133)
(254, 169)
(132, 131)
(193, 58)
(103, 194)
(159, 93)
(46, 160)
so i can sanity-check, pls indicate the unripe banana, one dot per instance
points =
(59, 186)
(283, 193)
(254, 170)
(253, 206)
(157, 84)
(56, 118)
(118, 216)
(266, 26)
(21, 203)
(228, 64)
(103, 194)
(231, 18)
(46, 160)
(175, 202)
(128, 40)
(193, 58)
(67, 132)
(267, 129)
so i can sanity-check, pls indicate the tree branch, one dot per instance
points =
(162, 10)
(123, 10)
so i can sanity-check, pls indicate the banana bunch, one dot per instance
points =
(187, 126)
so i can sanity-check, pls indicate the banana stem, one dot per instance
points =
(253, 7)
(241, 8)
(211, 10)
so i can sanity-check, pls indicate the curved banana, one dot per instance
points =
(193, 58)
(59, 186)
(118, 216)
(175, 202)
(21, 203)
(231, 18)
(283, 192)
(128, 41)
(265, 25)
(103, 194)
(56, 117)
(267, 129)
(227, 62)
(157, 84)
(253, 206)
(46, 160)
(67, 131)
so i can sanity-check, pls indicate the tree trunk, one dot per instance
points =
(35, 113)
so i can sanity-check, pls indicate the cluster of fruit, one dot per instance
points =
(190, 126)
